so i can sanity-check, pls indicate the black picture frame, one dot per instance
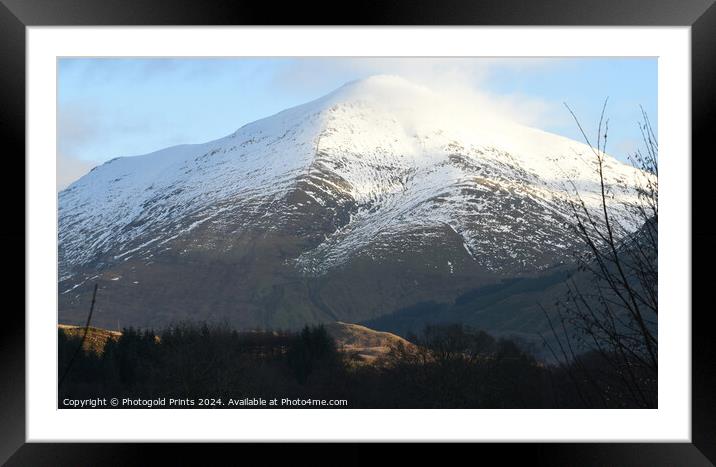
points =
(700, 15)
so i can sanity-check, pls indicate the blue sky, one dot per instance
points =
(126, 106)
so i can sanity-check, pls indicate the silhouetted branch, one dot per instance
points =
(82, 341)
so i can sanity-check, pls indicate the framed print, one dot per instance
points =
(422, 224)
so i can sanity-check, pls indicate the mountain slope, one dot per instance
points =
(377, 196)
(365, 345)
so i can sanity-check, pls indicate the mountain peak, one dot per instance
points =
(377, 93)
(376, 174)
(380, 180)
(381, 86)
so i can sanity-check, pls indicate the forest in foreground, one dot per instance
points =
(446, 366)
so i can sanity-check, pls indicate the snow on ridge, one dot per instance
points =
(391, 146)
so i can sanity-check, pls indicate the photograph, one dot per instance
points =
(251, 229)
(357, 232)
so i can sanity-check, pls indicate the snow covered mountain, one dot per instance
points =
(378, 195)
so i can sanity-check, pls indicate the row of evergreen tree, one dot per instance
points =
(452, 366)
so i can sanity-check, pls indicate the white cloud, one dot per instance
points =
(84, 129)
(461, 78)
(76, 126)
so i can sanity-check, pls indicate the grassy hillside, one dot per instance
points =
(364, 344)
(96, 339)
